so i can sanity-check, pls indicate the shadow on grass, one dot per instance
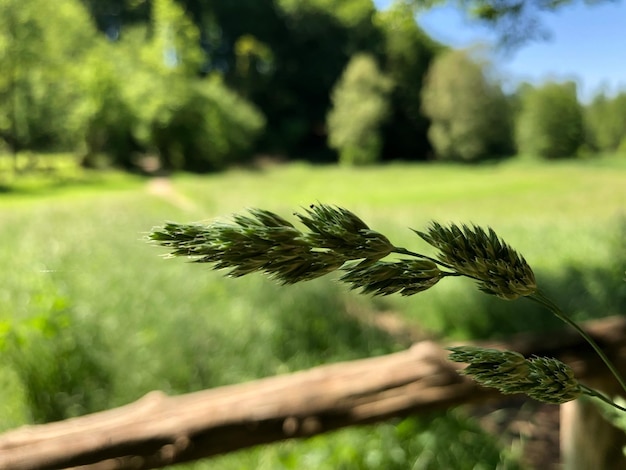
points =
(42, 187)
(36, 187)
(318, 330)
(583, 292)
(272, 330)
(60, 362)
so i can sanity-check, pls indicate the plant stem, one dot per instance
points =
(404, 251)
(594, 393)
(540, 298)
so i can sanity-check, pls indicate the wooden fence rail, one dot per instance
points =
(158, 430)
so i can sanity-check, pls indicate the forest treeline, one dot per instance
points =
(200, 85)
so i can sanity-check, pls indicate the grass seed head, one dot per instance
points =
(262, 241)
(343, 232)
(406, 277)
(544, 379)
(482, 255)
(554, 381)
(504, 370)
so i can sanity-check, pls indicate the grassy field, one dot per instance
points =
(92, 317)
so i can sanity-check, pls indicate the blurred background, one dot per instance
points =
(118, 115)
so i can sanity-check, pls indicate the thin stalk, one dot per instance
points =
(404, 251)
(594, 393)
(540, 298)
(454, 272)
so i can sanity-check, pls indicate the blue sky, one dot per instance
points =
(588, 43)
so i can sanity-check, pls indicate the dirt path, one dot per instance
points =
(162, 187)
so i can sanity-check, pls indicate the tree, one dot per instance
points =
(38, 85)
(406, 54)
(550, 123)
(111, 15)
(207, 128)
(286, 55)
(323, 35)
(209, 125)
(175, 41)
(516, 22)
(360, 105)
(350, 13)
(299, 50)
(106, 115)
(605, 122)
(470, 115)
(145, 94)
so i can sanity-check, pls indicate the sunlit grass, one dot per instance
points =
(174, 326)
(55, 175)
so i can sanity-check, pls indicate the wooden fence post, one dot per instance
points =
(588, 440)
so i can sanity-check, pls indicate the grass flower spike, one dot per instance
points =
(543, 379)
(406, 277)
(336, 239)
(483, 256)
(265, 242)
(553, 381)
(340, 230)
(507, 371)
(262, 242)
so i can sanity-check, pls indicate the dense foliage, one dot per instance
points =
(516, 22)
(360, 106)
(407, 55)
(550, 123)
(37, 86)
(200, 85)
(117, 101)
(469, 112)
(605, 121)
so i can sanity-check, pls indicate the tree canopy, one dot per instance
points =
(360, 105)
(469, 112)
(36, 38)
(550, 124)
(200, 84)
(605, 121)
(515, 22)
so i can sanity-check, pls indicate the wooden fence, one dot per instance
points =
(159, 430)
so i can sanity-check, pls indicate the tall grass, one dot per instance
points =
(139, 322)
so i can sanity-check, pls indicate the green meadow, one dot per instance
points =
(92, 316)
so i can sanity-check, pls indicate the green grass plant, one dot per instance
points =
(336, 239)
(158, 324)
(34, 176)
